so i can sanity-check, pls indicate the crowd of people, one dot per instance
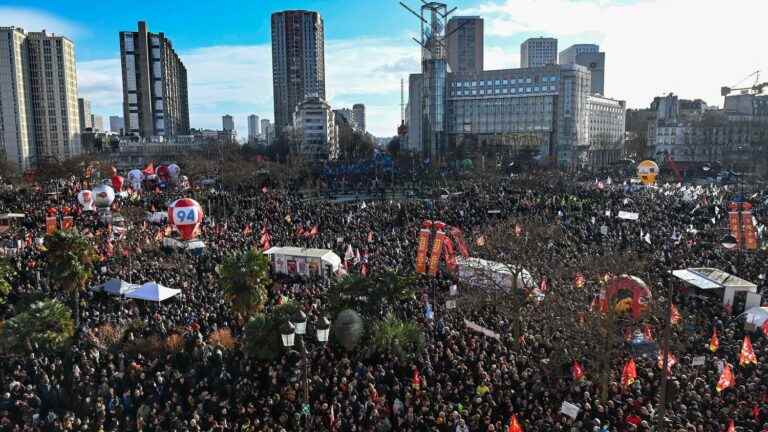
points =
(462, 381)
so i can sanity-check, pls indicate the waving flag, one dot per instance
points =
(675, 317)
(514, 425)
(577, 371)
(671, 361)
(747, 354)
(731, 426)
(579, 281)
(726, 378)
(416, 380)
(714, 342)
(629, 373)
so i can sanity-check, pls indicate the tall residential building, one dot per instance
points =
(465, 45)
(589, 56)
(315, 121)
(39, 115)
(227, 123)
(253, 127)
(97, 123)
(537, 52)
(116, 124)
(358, 112)
(155, 99)
(84, 110)
(267, 131)
(298, 62)
(347, 115)
(16, 128)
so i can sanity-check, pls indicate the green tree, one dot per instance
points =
(371, 295)
(262, 339)
(6, 273)
(70, 263)
(390, 335)
(244, 279)
(46, 324)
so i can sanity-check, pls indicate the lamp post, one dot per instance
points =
(298, 326)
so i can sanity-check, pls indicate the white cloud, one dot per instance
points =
(34, 20)
(690, 47)
(237, 80)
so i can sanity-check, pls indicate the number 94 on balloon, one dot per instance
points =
(185, 216)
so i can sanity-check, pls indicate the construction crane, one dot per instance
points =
(756, 88)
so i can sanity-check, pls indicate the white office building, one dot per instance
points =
(315, 123)
(253, 128)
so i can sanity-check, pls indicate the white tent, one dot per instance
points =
(152, 291)
(116, 287)
(296, 260)
(756, 316)
(712, 278)
(491, 274)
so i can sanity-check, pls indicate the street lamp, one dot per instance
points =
(288, 332)
(299, 320)
(323, 330)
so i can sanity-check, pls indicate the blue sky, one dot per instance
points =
(653, 46)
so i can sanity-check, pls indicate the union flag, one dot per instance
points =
(714, 342)
(577, 371)
(629, 374)
(747, 354)
(726, 378)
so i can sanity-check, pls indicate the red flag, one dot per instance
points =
(514, 425)
(671, 361)
(629, 373)
(764, 327)
(726, 378)
(714, 342)
(756, 412)
(460, 243)
(370, 236)
(675, 317)
(247, 230)
(364, 270)
(577, 371)
(747, 354)
(543, 286)
(416, 380)
(149, 169)
(314, 232)
(731, 427)
(264, 189)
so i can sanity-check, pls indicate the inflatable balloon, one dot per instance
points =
(186, 215)
(163, 173)
(174, 171)
(85, 198)
(135, 177)
(647, 170)
(117, 183)
(103, 196)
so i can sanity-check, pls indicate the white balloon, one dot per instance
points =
(174, 170)
(85, 198)
(103, 196)
(135, 176)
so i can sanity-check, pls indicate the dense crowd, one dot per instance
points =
(467, 382)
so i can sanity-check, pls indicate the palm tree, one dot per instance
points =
(244, 279)
(70, 259)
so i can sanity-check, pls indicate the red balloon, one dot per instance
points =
(186, 215)
(163, 172)
(117, 183)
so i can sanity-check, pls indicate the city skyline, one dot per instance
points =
(230, 70)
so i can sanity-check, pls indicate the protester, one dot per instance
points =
(467, 382)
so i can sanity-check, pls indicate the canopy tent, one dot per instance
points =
(706, 278)
(305, 262)
(115, 287)
(152, 291)
(12, 215)
(491, 274)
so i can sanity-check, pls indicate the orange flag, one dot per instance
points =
(629, 374)
(579, 280)
(676, 317)
(577, 371)
(714, 343)
(726, 378)
(514, 426)
(731, 427)
(747, 355)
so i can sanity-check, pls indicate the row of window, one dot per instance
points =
(521, 90)
(488, 83)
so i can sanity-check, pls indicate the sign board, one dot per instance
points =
(628, 215)
(494, 211)
(569, 409)
(698, 361)
(450, 304)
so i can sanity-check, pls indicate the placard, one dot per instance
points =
(628, 215)
(450, 304)
(570, 410)
(698, 361)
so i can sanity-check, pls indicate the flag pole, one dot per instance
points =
(661, 425)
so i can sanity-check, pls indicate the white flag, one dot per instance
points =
(647, 238)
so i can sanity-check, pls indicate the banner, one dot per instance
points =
(450, 254)
(421, 253)
(437, 249)
(628, 215)
(67, 223)
(750, 234)
(733, 223)
(480, 329)
(458, 235)
(50, 225)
